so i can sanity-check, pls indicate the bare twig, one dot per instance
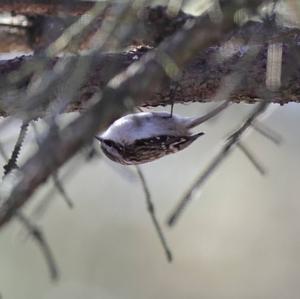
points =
(32, 229)
(152, 23)
(216, 161)
(39, 237)
(12, 162)
(210, 114)
(2, 152)
(44, 202)
(56, 181)
(59, 186)
(46, 7)
(251, 158)
(151, 211)
(267, 133)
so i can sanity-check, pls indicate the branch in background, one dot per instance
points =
(55, 178)
(151, 210)
(45, 202)
(267, 133)
(40, 239)
(12, 162)
(32, 229)
(55, 7)
(216, 161)
(152, 25)
(200, 79)
(251, 157)
(13, 39)
(59, 186)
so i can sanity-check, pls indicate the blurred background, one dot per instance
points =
(238, 238)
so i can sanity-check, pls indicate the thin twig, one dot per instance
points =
(251, 158)
(2, 152)
(39, 237)
(58, 185)
(32, 229)
(267, 132)
(12, 162)
(225, 150)
(41, 208)
(210, 114)
(56, 181)
(151, 211)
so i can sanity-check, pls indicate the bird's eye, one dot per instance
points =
(109, 143)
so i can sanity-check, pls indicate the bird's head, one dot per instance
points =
(111, 149)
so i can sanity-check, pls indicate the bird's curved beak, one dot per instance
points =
(99, 138)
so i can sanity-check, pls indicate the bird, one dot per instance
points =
(147, 136)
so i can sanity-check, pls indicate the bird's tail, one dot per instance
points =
(195, 136)
(199, 120)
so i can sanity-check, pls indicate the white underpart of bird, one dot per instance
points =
(146, 136)
(131, 127)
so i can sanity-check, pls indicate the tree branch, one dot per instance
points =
(46, 7)
(233, 139)
(46, 20)
(199, 81)
(44, 24)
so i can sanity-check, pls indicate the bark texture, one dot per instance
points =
(199, 81)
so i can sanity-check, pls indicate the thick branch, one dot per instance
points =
(200, 80)
(44, 25)
(46, 7)
(47, 20)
